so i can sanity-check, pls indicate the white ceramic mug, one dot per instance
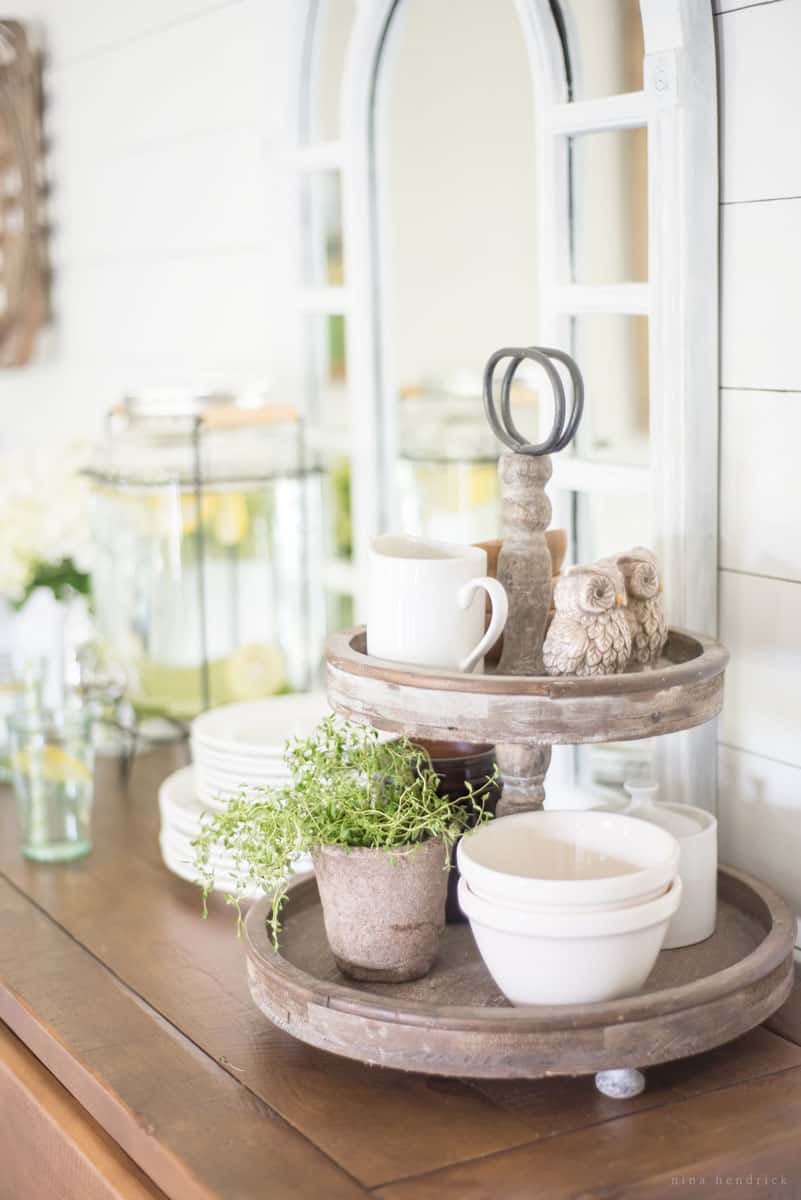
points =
(426, 603)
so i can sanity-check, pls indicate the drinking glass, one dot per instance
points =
(21, 691)
(52, 759)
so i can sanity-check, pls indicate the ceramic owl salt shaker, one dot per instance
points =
(589, 634)
(644, 610)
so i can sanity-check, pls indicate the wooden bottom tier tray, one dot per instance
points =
(456, 1022)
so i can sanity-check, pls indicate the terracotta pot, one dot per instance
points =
(384, 914)
(457, 764)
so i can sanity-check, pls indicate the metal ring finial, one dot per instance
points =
(503, 426)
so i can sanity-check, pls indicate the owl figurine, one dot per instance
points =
(644, 610)
(589, 634)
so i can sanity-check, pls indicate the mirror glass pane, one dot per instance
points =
(609, 523)
(322, 216)
(606, 46)
(612, 352)
(610, 206)
(605, 768)
(328, 427)
(456, 209)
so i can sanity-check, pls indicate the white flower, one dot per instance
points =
(43, 513)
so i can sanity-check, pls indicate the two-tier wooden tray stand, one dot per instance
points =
(455, 1021)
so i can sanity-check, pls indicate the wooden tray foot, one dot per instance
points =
(622, 1084)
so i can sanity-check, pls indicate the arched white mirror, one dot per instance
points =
(537, 171)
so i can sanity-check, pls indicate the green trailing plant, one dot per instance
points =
(350, 788)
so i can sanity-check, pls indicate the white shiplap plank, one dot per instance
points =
(760, 622)
(760, 98)
(55, 402)
(759, 820)
(72, 30)
(166, 122)
(725, 6)
(211, 73)
(198, 313)
(761, 294)
(204, 193)
(760, 483)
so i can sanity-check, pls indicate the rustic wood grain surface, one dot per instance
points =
(49, 1145)
(684, 690)
(141, 1012)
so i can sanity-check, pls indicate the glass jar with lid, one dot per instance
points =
(448, 458)
(206, 523)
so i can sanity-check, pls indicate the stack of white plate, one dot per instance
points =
(234, 747)
(180, 824)
(243, 744)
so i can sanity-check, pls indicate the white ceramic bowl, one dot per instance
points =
(583, 958)
(581, 861)
(567, 910)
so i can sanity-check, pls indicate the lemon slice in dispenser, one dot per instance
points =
(483, 484)
(191, 510)
(254, 670)
(230, 522)
(56, 766)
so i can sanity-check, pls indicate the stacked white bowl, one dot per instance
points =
(569, 907)
(235, 746)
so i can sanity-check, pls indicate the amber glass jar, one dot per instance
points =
(457, 764)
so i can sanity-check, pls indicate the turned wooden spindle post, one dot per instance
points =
(523, 769)
(524, 562)
(524, 569)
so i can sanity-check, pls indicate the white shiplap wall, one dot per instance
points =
(760, 463)
(166, 122)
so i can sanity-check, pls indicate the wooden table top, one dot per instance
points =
(141, 1010)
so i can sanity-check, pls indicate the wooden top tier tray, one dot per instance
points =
(684, 690)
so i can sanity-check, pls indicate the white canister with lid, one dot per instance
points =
(696, 831)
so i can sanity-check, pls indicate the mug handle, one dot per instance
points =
(500, 611)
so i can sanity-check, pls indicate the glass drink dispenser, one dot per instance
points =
(448, 458)
(206, 521)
